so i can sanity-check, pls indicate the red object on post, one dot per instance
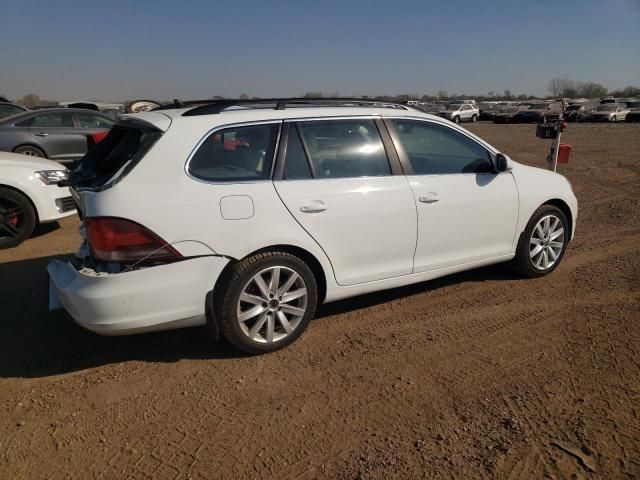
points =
(564, 152)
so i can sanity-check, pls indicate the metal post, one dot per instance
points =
(555, 148)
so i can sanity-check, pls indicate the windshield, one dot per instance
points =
(607, 108)
(572, 108)
(539, 106)
(453, 108)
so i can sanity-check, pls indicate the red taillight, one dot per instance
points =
(119, 240)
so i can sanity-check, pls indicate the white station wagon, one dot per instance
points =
(245, 215)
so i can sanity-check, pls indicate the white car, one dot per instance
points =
(610, 112)
(29, 195)
(245, 216)
(461, 112)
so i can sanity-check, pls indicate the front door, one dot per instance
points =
(466, 211)
(338, 184)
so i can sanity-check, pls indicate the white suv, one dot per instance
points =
(246, 215)
(461, 112)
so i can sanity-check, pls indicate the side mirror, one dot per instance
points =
(502, 164)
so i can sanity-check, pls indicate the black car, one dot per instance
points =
(539, 112)
(634, 115)
(7, 109)
(579, 112)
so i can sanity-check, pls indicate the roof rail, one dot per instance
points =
(208, 107)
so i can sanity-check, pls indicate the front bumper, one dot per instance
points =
(154, 298)
(54, 203)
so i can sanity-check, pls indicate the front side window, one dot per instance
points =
(88, 120)
(435, 149)
(236, 154)
(344, 148)
(53, 119)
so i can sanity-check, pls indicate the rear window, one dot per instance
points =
(111, 159)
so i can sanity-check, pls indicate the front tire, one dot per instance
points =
(267, 302)
(543, 242)
(456, 119)
(474, 118)
(17, 218)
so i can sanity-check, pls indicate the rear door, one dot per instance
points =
(336, 180)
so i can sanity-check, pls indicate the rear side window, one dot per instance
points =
(88, 120)
(344, 148)
(53, 119)
(434, 149)
(236, 154)
(111, 159)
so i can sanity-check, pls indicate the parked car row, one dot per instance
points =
(606, 109)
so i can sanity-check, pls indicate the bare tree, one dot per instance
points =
(30, 100)
(557, 86)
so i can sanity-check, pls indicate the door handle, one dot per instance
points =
(430, 197)
(41, 134)
(315, 206)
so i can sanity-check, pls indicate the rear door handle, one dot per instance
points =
(41, 134)
(315, 206)
(430, 197)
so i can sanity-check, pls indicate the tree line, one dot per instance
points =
(558, 87)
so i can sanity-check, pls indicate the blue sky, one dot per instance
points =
(116, 49)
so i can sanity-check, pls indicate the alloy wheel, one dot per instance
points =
(547, 242)
(272, 304)
(11, 219)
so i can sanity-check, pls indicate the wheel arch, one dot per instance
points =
(28, 144)
(564, 207)
(314, 264)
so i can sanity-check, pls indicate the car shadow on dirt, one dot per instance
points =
(44, 229)
(37, 343)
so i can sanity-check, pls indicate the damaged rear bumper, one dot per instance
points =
(155, 298)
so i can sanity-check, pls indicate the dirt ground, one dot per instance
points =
(477, 375)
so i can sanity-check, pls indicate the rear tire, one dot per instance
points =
(17, 218)
(30, 151)
(254, 313)
(474, 118)
(543, 242)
